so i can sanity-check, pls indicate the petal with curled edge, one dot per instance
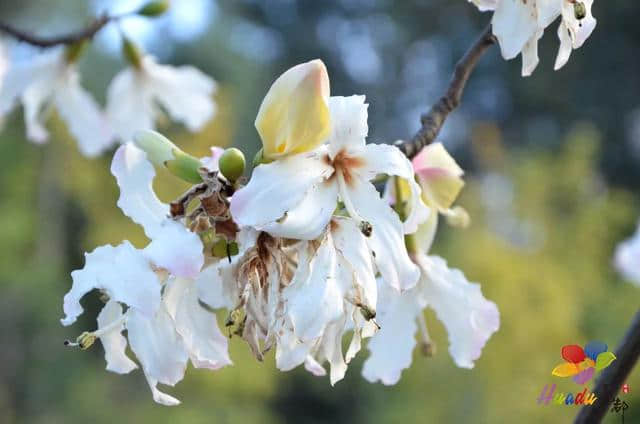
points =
(294, 116)
(123, 272)
(514, 23)
(82, 114)
(387, 235)
(387, 159)
(470, 319)
(113, 342)
(160, 350)
(199, 330)
(185, 92)
(176, 249)
(134, 174)
(278, 187)
(392, 346)
(349, 126)
(313, 297)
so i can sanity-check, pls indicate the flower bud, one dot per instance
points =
(294, 115)
(154, 8)
(231, 164)
(458, 217)
(162, 152)
(132, 52)
(439, 175)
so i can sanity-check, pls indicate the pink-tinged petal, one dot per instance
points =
(279, 187)
(387, 159)
(349, 127)
(313, 298)
(137, 200)
(176, 249)
(387, 235)
(310, 217)
(207, 346)
(83, 116)
(160, 350)
(113, 342)
(123, 272)
(627, 258)
(185, 92)
(469, 318)
(392, 346)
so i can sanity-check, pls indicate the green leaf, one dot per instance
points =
(154, 8)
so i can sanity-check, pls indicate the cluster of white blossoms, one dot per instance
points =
(519, 24)
(136, 96)
(303, 255)
(627, 258)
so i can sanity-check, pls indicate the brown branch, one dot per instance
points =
(613, 377)
(432, 122)
(67, 39)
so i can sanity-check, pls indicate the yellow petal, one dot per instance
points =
(294, 115)
(436, 156)
(439, 175)
(566, 370)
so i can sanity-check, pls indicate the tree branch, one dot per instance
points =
(432, 122)
(67, 39)
(613, 377)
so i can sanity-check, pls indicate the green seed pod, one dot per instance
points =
(231, 164)
(75, 50)
(154, 8)
(579, 10)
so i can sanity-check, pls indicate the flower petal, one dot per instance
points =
(114, 343)
(349, 126)
(387, 159)
(313, 298)
(514, 23)
(129, 104)
(387, 237)
(627, 258)
(82, 114)
(138, 201)
(530, 57)
(176, 249)
(159, 349)
(392, 346)
(279, 187)
(565, 47)
(123, 272)
(469, 318)
(199, 330)
(185, 92)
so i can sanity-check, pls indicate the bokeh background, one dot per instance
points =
(553, 181)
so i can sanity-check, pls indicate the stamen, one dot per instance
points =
(427, 345)
(85, 340)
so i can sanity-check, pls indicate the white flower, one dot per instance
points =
(135, 94)
(295, 196)
(166, 326)
(469, 318)
(50, 79)
(627, 258)
(519, 24)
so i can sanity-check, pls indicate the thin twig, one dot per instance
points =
(613, 377)
(67, 39)
(432, 122)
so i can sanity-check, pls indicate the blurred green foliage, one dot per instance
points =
(545, 259)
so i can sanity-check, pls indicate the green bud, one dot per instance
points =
(260, 158)
(75, 50)
(154, 8)
(132, 52)
(231, 164)
(579, 10)
(162, 152)
(224, 249)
